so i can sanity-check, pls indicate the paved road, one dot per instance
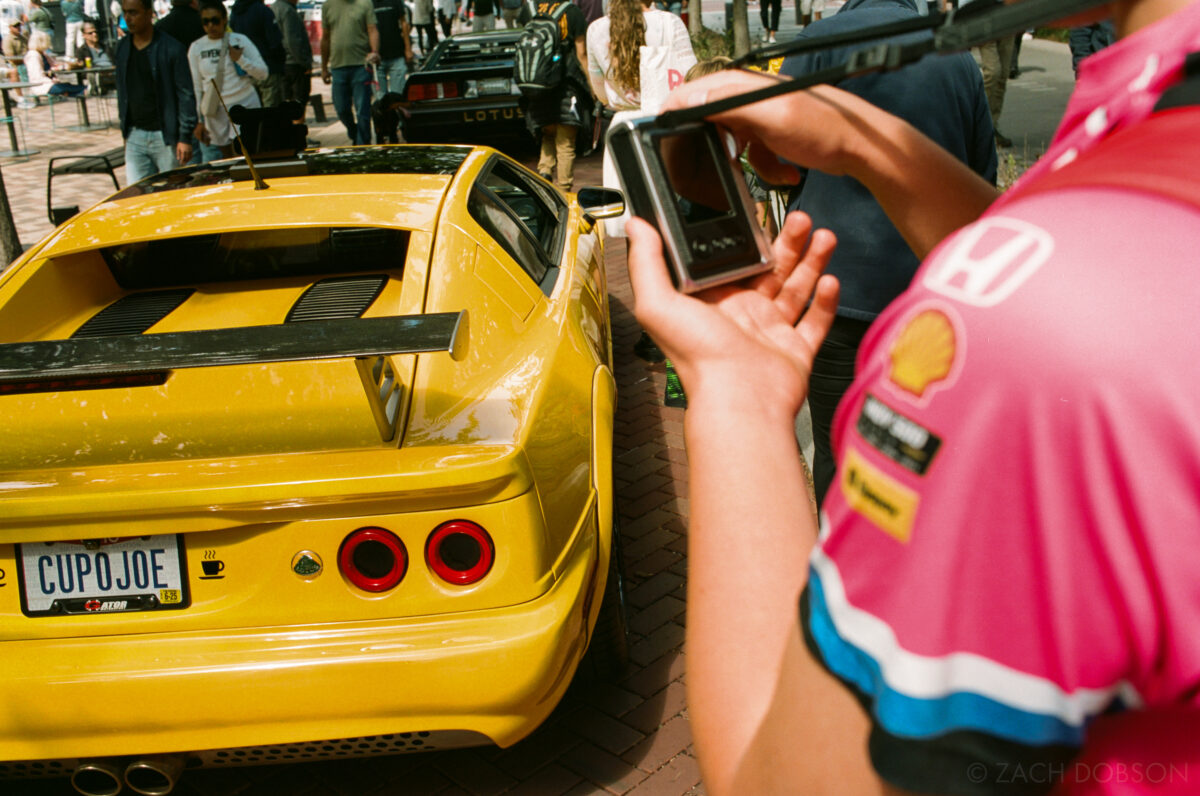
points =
(1037, 98)
(630, 737)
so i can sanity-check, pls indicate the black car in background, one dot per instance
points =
(464, 92)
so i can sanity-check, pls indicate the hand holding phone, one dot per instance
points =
(681, 180)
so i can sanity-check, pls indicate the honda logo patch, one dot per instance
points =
(989, 260)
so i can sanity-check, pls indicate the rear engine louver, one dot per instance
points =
(337, 299)
(133, 314)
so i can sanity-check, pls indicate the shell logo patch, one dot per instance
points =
(882, 500)
(924, 352)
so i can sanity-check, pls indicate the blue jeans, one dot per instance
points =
(70, 89)
(146, 154)
(208, 153)
(391, 75)
(197, 154)
(351, 98)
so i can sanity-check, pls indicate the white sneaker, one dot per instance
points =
(771, 39)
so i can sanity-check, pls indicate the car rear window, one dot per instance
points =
(471, 52)
(256, 254)
(314, 162)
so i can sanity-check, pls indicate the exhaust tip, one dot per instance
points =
(97, 778)
(154, 776)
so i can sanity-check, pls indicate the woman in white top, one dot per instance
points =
(233, 61)
(41, 71)
(614, 47)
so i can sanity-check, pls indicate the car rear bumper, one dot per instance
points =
(465, 121)
(498, 673)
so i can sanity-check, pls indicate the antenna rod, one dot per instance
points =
(259, 185)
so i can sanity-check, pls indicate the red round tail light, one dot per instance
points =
(373, 559)
(460, 552)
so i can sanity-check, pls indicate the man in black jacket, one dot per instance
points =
(253, 19)
(155, 99)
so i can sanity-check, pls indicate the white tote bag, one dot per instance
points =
(662, 69)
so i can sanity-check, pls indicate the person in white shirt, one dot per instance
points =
(231, 61)
(614, 45)
(41, 71)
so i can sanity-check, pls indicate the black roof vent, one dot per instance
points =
(133, 314)
(337, 299)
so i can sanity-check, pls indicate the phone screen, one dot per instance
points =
(689, 160)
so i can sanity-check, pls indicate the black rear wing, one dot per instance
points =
(83, 363)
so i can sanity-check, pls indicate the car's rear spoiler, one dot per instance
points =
(82, 363)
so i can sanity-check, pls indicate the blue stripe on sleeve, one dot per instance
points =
(912, 717)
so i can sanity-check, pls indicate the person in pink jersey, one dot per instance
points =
(1004, 590)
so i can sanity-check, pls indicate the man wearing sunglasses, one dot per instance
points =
(1002, 594)
(92, 50)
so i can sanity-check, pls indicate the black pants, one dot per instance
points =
(773, 7)
(297, 83)
(832, 374)
(447, 23)
(427, 37)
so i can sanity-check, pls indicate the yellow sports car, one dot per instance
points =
(304, 463)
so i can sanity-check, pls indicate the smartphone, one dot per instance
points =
(681, 180)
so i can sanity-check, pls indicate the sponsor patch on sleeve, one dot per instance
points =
(881, 499)
(904, 441)
(989, 260)
(923, 354)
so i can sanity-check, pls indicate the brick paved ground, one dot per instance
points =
(629, 737)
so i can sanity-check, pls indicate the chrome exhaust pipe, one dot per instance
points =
(97, 778)
(154, 776)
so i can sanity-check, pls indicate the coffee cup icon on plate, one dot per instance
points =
(212, 566)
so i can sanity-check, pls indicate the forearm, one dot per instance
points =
(926, 192)
(373, 38)
(598, 88)
(749, 537)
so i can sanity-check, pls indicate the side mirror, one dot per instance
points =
(600, 202)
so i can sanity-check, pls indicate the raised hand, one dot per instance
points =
(754, 339)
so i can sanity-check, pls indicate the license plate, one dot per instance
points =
(495, 85)
(143, 573)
